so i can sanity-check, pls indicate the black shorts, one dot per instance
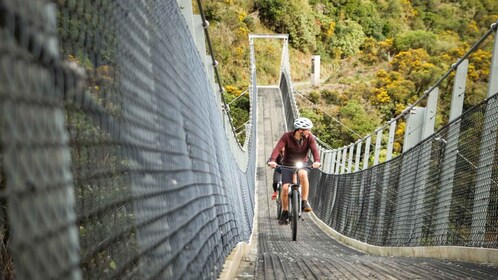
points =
(287, 174)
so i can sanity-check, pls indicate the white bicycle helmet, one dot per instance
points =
(303, 123)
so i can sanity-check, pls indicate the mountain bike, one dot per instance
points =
(295, 211)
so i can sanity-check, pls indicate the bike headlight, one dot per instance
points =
(299, 164)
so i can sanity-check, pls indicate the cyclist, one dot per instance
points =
(297, 143)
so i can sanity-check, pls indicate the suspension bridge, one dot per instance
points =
(118, 160)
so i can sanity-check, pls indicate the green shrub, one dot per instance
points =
(417, 39)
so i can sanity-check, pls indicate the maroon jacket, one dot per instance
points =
(293, 150)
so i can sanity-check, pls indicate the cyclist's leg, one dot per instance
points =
(274, 185)
(276, 179)
(284, 200)
(285, 197)
(303, 178)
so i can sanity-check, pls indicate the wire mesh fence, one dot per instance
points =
(407, 202)
(114, 163)
(439, 193)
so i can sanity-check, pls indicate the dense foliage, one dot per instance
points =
(379, 56)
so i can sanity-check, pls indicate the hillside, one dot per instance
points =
(377, 56)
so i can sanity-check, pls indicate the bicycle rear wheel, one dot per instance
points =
(295, 213)
(279, 201)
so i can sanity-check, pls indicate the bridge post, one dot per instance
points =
(383, 203)
(459, 90)
(366, 156)
(420, 188)
(326, 159)
(369, 179)
(315, 70)
(390, 141)
(385, 179)
(406, 191)
(334, 157)
(430, 114)
(450, 155)
(338, 161)
(350, 159)
(358, 156)
(373, 182)
(332, 221)
(330, 169)
(323, 156)
(378, 145)
(487, 155)
(343, 162)
(413, 131)
(367, 152)
(423, 163)
(364, 174)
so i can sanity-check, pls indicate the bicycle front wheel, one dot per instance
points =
(295, 214)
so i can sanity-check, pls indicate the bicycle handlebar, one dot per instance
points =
(288, 167)
(294, 168)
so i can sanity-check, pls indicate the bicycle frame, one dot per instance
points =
(294, 200)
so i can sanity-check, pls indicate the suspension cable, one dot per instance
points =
(205, 25)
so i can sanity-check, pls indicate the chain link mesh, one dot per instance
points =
(114, 164)
(410, 201)
(442, 192)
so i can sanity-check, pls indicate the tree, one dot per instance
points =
(417, 39)
(354, 116)
(293, 17)
(347, 39)
(367, 15)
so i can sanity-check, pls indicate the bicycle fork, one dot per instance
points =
(296, 188)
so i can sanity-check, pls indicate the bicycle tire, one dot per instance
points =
(295, 213)
(279, 202)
